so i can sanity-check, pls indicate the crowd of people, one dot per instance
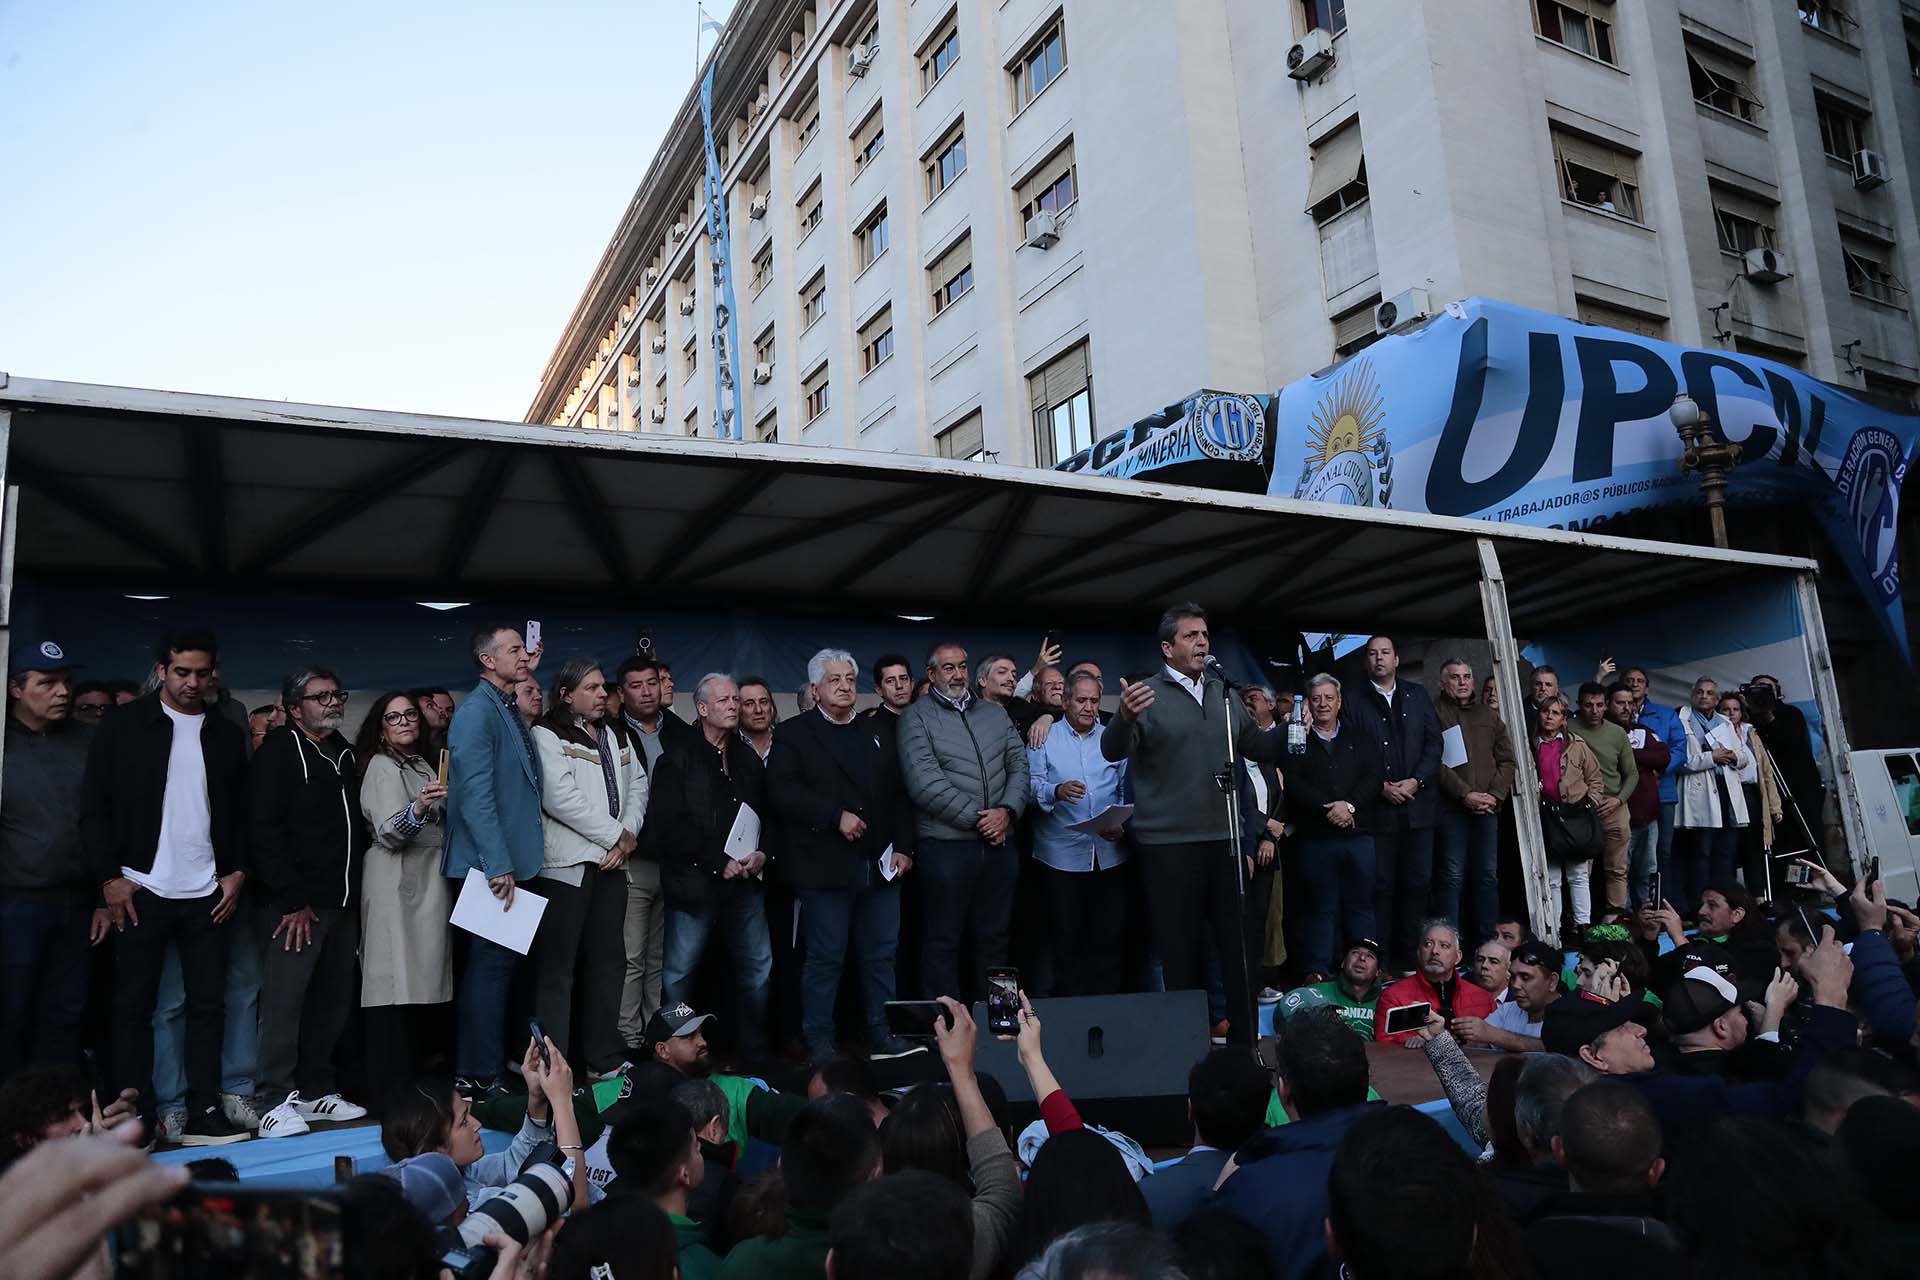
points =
(216, 923)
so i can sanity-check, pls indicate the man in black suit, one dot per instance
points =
(834, 783)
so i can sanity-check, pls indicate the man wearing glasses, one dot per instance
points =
(305, 826)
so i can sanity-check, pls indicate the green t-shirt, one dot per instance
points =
(698, 1261)
(1277, 1114)
(1357, 1014)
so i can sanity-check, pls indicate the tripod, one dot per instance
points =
(1228, 780)
(1813, 837)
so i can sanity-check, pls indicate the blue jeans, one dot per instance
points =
(240, 1041)
(1643, 858)
(831, 919)
(1337, 874)
(481, 1009)
(1703, 855)
(740, 913)
(1671, 888)
(44, 963)
(1469, 852)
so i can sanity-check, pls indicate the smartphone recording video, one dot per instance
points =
(1003, 1002)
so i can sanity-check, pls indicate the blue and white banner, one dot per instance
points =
(726, 329)
(1210, 438)
(1502, 413)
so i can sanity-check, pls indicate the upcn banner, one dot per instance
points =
(1501, 413)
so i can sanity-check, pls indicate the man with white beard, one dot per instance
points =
(305, 832)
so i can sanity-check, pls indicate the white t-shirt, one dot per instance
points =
(183, 860)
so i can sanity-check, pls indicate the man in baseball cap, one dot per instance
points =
(1710, 1023)
(1353, 991)
(674, 1036)
(1606, 1036)
(47, 892)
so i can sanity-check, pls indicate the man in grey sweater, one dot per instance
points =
(1171, 726)
(966, 772)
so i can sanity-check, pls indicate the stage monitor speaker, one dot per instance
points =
(1122, 1059)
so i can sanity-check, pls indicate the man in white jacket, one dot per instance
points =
(1707, 758)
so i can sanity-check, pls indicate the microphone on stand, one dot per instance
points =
(1211, 665)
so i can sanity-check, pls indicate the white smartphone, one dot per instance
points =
(533, 634)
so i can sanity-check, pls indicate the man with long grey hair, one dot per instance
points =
(847, 827)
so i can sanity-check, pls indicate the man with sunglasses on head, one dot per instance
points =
(306, 828)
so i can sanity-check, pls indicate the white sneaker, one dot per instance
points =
(285, 1120)
(1270, 995)
(240, 1110)
(173, 1124)
(331, 1107)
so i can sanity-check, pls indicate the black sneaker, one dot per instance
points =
(477, 1091)
(211, 1128)
(895, 1047)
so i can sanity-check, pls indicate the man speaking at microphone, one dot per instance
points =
(1172, 728)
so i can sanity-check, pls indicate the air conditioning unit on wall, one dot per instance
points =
(1312, 57)
(1402, 309)
(1767, 266)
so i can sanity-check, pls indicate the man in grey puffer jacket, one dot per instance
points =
(966, 771)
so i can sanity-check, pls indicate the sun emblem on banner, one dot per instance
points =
(1348, 459)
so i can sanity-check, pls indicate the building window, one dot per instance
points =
(1040, 65)
(763, 347)
(868, 140)
(939, 54)
(870, 37)
(815, 390)
(1913, 50)
(1329, 16)
(948, 162)
(964, 441)
(1607, 316)
(1870, 272)
(767, 430)
(690, 425)
(1050, 188)
(810, 206)
(876, 340)
(690, 360)
(762, 267)
(951, 274)
(813, 300)
(1577, 25)
(1339, 179)
(1843, 129)
(872, 237)
(1597, 176)
(1722, 84)
(809, 116)
(1062, 399)
(1828, 16)
(1742, 222)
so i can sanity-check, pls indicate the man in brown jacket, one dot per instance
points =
(1473, 791)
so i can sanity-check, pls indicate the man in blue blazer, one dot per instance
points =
(493, 825)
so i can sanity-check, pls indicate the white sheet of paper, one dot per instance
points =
(1637, 738)
(1112, 818)
(888, 867)
(744, 839)
(478, 912)
(1453, 747)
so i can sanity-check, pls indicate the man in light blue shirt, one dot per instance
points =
(1085, 886)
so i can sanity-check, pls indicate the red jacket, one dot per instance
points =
(1650, 758)
(1461, 998)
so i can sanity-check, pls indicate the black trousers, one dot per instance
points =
(967, 895)
(44, 965)
(1193, 902)
(584, 931)
(1086, 917)
(401, 1042)
(306, 997)
(138, 954)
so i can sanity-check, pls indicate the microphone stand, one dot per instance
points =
(1228, 780)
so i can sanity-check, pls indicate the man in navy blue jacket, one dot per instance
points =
(1400, 717)
(1278, 1181)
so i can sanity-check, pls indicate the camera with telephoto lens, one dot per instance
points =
(1759, 697)
(522, 1210)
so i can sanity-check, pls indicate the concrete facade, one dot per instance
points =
(1593, 159)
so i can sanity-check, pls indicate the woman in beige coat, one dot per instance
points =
(405, 901)
(1569, 773)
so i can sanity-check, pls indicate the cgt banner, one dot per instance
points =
(1502, 413)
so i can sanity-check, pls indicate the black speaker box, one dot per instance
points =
(1122, 1059)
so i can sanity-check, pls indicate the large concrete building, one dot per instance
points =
(1001, 227)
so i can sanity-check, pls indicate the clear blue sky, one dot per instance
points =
(388, 205)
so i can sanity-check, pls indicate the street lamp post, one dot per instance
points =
(1706, 453)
